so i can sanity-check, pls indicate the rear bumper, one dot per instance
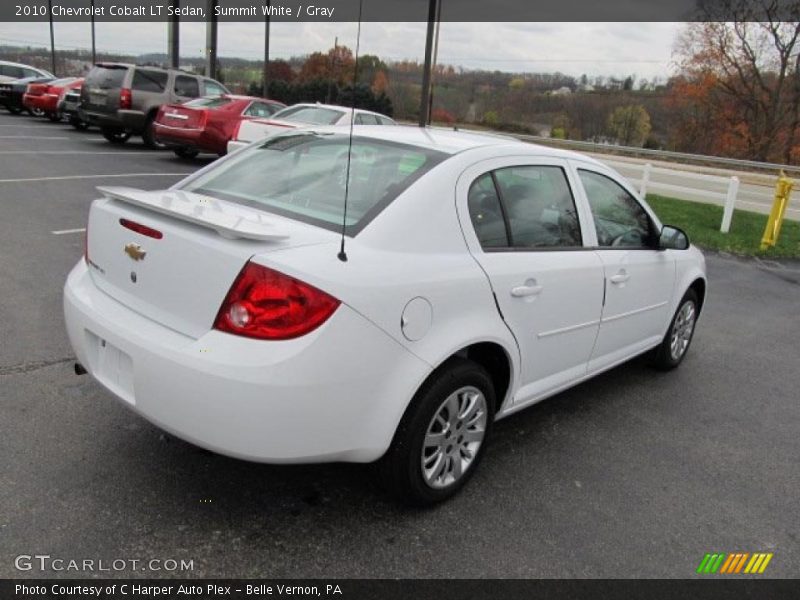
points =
(196, 139)
(131, 120)
(336, 394)
(45, 102)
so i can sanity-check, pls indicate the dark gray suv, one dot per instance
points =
(124, 99)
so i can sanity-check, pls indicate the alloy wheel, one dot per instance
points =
(453, 437)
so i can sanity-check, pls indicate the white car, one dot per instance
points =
(302, 115)
(476, 276)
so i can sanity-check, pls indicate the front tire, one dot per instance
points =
(78, 124)
(442, 436)
(679, 336)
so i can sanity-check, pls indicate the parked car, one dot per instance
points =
(69, 105)
(207, 124)
(123, 99)
(42, 99)
(475, 276)
(10, 71)
(302, 115)
(12, 92)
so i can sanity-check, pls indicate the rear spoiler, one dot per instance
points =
(228, 220)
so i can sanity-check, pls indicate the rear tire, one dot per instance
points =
(36, 112)
(673, 348)
(116, 135)
(185, 153)
(442, 435)
(79, 124)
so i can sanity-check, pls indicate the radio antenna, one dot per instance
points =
(342, 256)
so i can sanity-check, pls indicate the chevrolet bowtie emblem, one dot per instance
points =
(135, 251)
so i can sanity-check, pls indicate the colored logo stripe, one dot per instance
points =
(734, 562)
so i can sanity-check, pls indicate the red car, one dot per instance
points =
(207, 124)
(43, 98)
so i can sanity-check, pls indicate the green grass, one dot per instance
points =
(701, 222)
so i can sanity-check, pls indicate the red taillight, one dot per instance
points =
(269, 305)
(125, 99)
(143, 229)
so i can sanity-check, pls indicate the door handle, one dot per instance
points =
(620, 277)
(523, 291)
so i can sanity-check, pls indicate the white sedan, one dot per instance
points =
(302, 115)
(476, 276)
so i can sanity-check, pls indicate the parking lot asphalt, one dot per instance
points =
(636, 473)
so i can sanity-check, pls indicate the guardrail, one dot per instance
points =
(699, 159)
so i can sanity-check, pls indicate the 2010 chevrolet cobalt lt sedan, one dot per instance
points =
(476, 276)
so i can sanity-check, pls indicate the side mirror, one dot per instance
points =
(672, 238)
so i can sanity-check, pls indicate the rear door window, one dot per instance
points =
(187, 86)
(524, 207)
(146, 80)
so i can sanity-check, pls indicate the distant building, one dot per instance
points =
(562, 91)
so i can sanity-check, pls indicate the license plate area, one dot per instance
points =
(111, 366)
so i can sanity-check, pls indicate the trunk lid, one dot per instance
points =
(37, 89)
(182, 117)
(181, 278)
(251, 130)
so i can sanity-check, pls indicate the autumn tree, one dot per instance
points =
(336, 65)
(739, 85)
(630, 125)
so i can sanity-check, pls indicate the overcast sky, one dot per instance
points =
(619, 49)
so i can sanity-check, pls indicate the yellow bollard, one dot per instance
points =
(782, 191)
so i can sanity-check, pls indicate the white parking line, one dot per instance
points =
(65, 177)
(29, 126)
(150, 152)
(66, 231)
(30, 137)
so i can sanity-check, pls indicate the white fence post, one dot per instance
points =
(645, 180)
(730, 201)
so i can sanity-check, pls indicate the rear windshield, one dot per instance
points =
(302, 176)
(211, 102)
(106, 77)
(315, 115)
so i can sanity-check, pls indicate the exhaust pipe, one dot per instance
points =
(79, 370)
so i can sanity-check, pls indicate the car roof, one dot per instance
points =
(336, 107)
(453, 141)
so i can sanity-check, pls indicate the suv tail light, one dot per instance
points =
(125, 99)
(268, 305)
